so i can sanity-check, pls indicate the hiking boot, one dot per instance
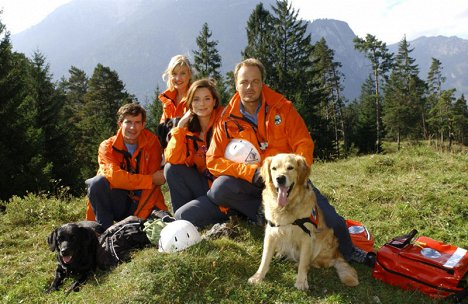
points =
(363, 257)
(163, 215)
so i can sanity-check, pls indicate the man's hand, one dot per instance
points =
(158, 178)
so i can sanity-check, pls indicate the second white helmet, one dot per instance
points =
(242, 151)
(177, 236)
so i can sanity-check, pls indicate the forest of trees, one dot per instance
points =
(51, 130)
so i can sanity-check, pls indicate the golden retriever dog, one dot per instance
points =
(295, 225)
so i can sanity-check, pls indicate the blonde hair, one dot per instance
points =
(175, 62)
(250, 62)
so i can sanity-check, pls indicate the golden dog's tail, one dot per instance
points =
(346, 272)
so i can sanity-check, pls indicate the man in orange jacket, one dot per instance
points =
(129, 177)
(270, 122)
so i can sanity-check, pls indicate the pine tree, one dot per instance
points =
(460, 120)
(330, 82)
(75, 88)
(404, 92)
(49, 105)
(364, 135)
(377, 52)
(259, 37)
(442, 115)
(434, 81)
(207, 60)
(154, 112)
(20, 161)
(292, 50)
(106, 94)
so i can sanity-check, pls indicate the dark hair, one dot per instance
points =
(210, 84)
(133, 109)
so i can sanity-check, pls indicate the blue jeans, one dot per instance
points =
(337, 223)
(109, 204)
(188, 191)
(236, 194)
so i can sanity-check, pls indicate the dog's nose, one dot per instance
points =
(281, 180)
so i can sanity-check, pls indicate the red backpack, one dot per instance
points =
(432, 267)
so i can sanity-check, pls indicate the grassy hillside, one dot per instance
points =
(392, 194)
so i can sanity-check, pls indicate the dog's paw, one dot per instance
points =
(255, 279)
(302, 284)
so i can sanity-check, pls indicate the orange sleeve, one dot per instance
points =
(118, 178)
(218, 165)
(298, 135)
(176, 150)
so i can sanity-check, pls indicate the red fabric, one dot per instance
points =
(150, 161)
(170, 110)
(417, 267)
(364, 239)
(181, 148)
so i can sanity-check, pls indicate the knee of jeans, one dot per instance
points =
(219, 190)
(184, 214)
(97, 184)
(171, 170)
(167, 169)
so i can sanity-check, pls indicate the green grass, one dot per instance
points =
(391, 194)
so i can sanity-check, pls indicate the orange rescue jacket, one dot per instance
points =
(280, 130)
(146, 159)
(170, 110)
(188, 148)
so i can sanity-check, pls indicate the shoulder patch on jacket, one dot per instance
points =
(277, 119)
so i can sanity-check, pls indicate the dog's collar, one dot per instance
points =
(313, 219)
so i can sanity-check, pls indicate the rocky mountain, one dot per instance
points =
(451, 51)
(137, 38)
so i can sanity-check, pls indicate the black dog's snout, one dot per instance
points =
(64, 249)
(281, 180)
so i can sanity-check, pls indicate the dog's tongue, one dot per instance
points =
(66, 259)
(282, 196)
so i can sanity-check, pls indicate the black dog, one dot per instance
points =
(76, 245)
(164, 130)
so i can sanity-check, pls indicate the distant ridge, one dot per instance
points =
(136, 38)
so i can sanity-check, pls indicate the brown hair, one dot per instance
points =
(133, 109)
(250, 62)
(210, 84)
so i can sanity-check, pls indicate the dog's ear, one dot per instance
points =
(52, 240)
(303, 170)
(265, 170)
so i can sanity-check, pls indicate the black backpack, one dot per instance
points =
(118, 240)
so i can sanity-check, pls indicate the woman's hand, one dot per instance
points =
(185, 119)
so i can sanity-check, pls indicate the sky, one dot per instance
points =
(388, 20)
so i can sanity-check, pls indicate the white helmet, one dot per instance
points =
(177, 236)
(242, 151)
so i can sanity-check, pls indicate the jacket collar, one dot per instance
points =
(269, 98)
(118, 141)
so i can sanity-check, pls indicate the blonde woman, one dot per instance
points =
(178, 77)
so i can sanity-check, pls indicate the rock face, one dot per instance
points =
(137, 38)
